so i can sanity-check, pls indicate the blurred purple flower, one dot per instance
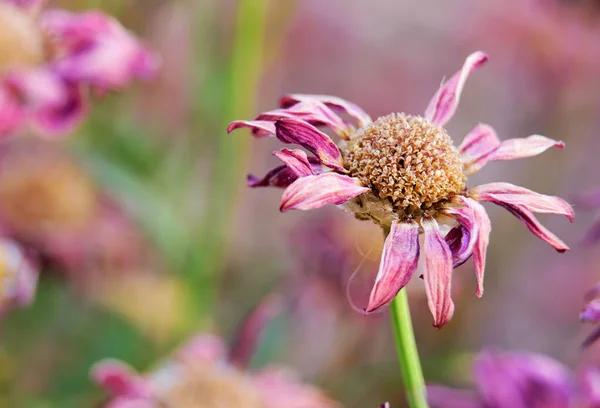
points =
(50, 57)
(199, 374)
(521, 380)
(591, 313)
(18, 276)
(403, 173)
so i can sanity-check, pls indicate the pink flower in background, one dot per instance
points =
(50, 58)
(403, 172)
(199, 374)
(591, 314)
(521, 380)
(18, 276)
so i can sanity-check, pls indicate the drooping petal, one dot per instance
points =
(480, 251)
(477, 145)
(442, 106)
(522, 197)
(333, 102)
(520, 148)
(306, 135)
(533, 225)
(282, 176)
(312, 111)
(119, 379)
(438, 273)
(461, 240)
(259, 128)
(296, 160)
(311, 192)
(399, 262)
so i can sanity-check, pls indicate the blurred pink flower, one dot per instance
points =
(200, 375)
(521, 380)
(18, 276)
(50, 57)
(591, 314)
(403, 173)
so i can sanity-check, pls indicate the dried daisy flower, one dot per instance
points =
(18, 276)
(200, 375)
(49, 57)
(403, 173)
(521, 380)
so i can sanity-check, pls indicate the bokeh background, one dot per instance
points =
(150, 235)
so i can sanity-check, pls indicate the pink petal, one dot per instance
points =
(524, 147)
(438, 273)
(282, 176)
(522, 197)
(445, 101)
(533, 225)
(312, 111)
(333, 102)
(296, 160)
(479, 143)
(482, 220)
(311, 192)
(119, 379)
(398, 263)
(306, 135)
(259, 127)
(461, 240)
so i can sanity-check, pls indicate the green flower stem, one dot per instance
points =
(245, 69)
(408, 355)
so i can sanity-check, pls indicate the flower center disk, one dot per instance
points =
(407, 160)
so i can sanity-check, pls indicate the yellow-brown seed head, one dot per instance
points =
(408, 161)
(21, 39)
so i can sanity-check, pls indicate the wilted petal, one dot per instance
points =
(296, 160)
(479, 143)
(259, 127)
(438, 273)
(399, 261)
(461, 240)
(316, 191)
(119, 379)
(312, 111)
(445, 101)
(533, 225)
(524, 147)
(306, 135)
(444, 397)
(333, 102)
(282, 176)
(522, 197)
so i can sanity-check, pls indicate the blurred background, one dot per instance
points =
(146, 233)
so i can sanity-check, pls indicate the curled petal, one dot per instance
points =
(438, 273)
(335, 103)
(311, 192)
(295, 160)
(533, 225)
(524, 147)
(461, 239)
(282, 176)
(119, 379)
(520, 196)
(479, 143)
(312, 111)
(306, 135)
(259, 128)
(398, 263)
(442, 106)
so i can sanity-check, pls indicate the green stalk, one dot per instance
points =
(408, 355)
(245, 69)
